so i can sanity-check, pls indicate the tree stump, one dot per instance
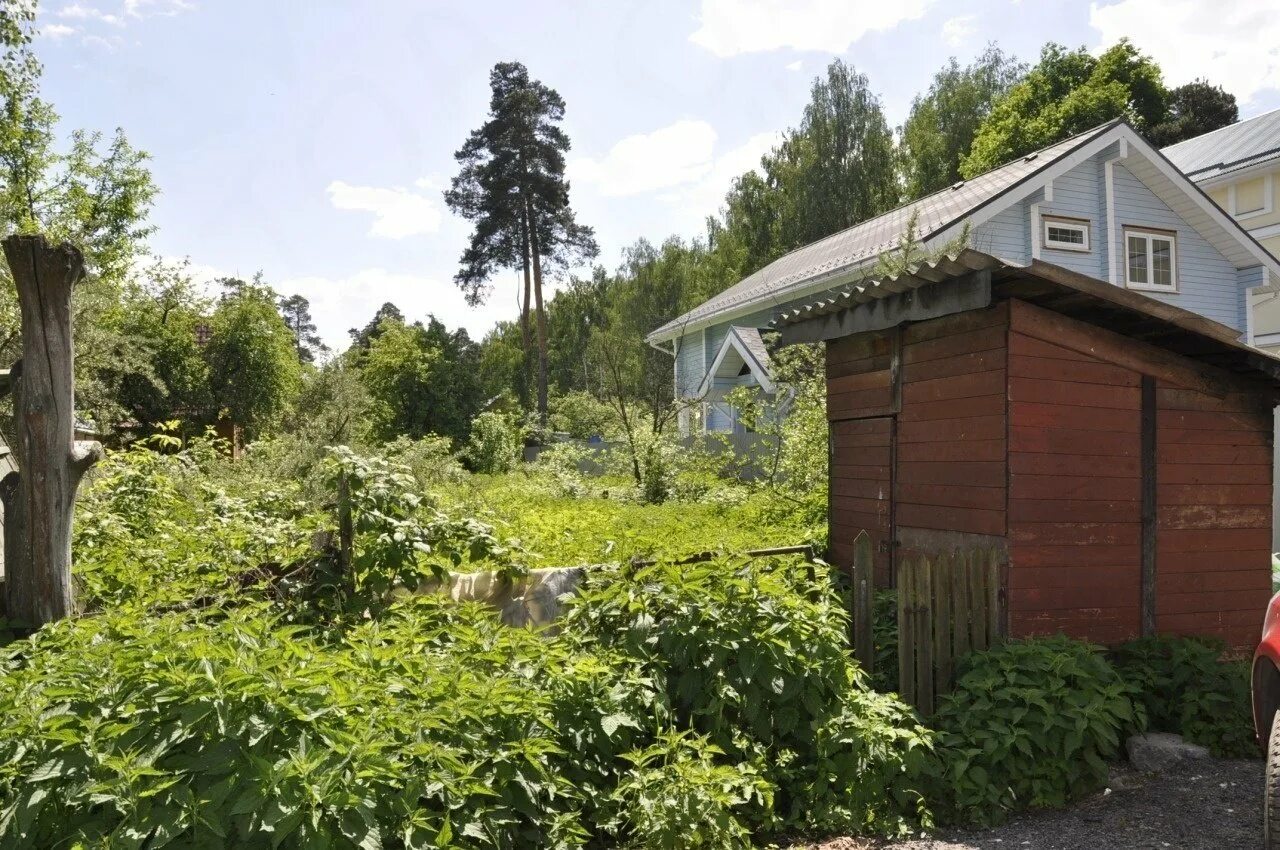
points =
(39, 498)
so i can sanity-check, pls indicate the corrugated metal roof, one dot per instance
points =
(1229, 148)
(848, 248)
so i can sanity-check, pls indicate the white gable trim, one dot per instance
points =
(757, 368)
(1131, 145)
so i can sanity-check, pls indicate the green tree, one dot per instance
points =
(1068, 92)
(296, 312)
(87, 189)
(1196, 108)
(254, 373)
(362, 337)
(833, 171)
(160, 315)
(511, 184)
(944, 120)
(396, 371)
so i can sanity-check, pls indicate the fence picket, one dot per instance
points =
(948, 606)
(942, 649)
(924, 636)
(906, 633)
(863, 641)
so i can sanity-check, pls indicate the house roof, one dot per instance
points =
(1139, 317)
(751, 348)
(868, 240)
(850, 254)
(1228, 149)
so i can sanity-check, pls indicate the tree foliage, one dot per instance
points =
(1196, 108)
(296, 312)
(512, 186)
(254, 373)
(944, 120)
(1068, 92)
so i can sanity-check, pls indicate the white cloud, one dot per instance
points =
(670, 156)
(57, 32)
(1232, 43)
(107, 43)
(794, 66)
(706, 195)
(398, 212)
(957, 30)
(731, 27)
(164, 8)
(339, 304)
(80, 12)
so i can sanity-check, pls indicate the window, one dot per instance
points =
(1151, 260)
(1066, 234)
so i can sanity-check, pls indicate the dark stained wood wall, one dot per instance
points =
(951, 432)
(1075, 489)
(1213, 507)
(860, 403)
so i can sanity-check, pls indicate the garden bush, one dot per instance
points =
(754, 656)
(495, 443)
(1189, 690)
(1030, 724)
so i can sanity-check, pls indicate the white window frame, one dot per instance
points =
(1149, 234)
(1082, 225)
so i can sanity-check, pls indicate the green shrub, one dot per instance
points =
(495, 443)
(1030, 724)
(754, 656)
(676, 796)
(1188, 690)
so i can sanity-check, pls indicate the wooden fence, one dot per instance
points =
(948, 605)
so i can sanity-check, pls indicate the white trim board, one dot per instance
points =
(732, 340)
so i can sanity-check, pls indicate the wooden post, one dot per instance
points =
(39, 499)
(863, 569)
(346, 533)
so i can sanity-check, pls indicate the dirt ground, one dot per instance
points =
(1216, 805)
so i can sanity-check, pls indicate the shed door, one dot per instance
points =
(861, 491)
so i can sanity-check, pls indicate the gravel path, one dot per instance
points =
(1214, 806)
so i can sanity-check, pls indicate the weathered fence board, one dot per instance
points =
(948, 606)
(863, 566)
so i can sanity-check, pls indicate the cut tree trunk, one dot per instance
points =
(39, 498)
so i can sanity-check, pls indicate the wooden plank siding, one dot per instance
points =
(1213, 513)
(952, 471)
(1075, 523)
(860, 491)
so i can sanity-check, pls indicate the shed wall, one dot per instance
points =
(1075, 494)
(1213, 503)
(1075, 489)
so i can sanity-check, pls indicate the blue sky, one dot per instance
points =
(311, 140)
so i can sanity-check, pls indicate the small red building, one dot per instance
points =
(1116, 449)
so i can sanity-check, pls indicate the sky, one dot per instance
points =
(311, 139)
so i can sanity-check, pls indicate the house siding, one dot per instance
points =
(1006, 235)
(1207, 281)
(1081, 194)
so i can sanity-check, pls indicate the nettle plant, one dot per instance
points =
(401, 538)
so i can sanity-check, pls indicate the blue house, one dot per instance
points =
(1104, 203)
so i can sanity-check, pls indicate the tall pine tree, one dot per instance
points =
(512, 186)
(296, 312)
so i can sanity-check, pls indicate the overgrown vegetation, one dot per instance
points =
(229, 686)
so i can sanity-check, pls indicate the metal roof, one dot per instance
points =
(1228, 149)
(752, 341)
(849, 248)
(1131, 314)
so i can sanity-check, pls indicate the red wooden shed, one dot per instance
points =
(1115, 449)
